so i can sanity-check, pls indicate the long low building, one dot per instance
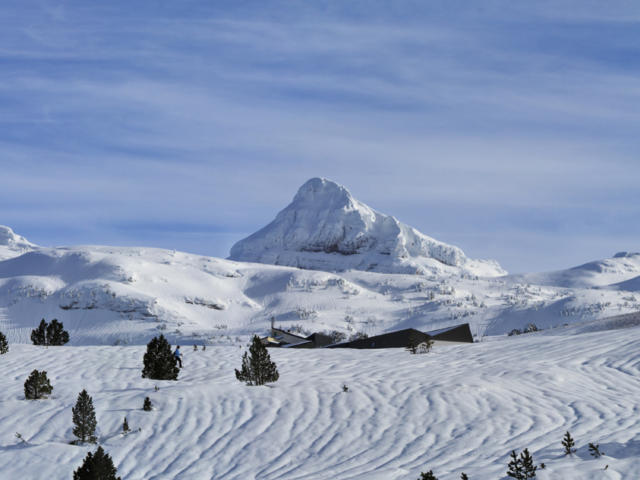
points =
(398, 339)
(402, 338)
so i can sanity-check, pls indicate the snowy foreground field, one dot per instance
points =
(459, 408)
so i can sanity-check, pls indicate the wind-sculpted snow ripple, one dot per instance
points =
(460, 408)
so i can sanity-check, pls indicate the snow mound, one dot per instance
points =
(622, 267)
(325, 228)
(12, 244)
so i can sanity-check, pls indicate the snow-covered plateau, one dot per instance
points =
(457, 409)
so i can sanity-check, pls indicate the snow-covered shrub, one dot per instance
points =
(417, 344)
(258, 368)
(532, 327)
(515, 331)
(96, 466)
(147, 405)
(84, 418)
(337, 336)
(358, 336)
(306, 313)
(159, 361)
(37, 385)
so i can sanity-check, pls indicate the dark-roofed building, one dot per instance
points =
(401, 338)
(397, 339)
(457, 333)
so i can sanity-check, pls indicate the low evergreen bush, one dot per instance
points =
(37, 385)
(4, 345)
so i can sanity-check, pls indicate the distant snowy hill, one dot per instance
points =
(622, 267)
(325, 228)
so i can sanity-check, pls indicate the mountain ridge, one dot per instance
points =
(326, 228)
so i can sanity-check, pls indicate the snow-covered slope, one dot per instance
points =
(118, 295)
(11, 244)
(325, 228)
(458, 409)
(623, 266)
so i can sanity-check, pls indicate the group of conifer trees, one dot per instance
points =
(49, 333)
(45, 334)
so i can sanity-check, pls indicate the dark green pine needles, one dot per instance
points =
(568, 444)
(159, 361)
(96, 466)
(257, 367)
(84, 418)
(37, 385)
(49, 333)
(521, 468)
(4, 345)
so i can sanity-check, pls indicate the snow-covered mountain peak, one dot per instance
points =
(325, 192)
(12, 244)
(325, 228)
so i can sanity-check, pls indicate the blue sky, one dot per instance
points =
(507, 128)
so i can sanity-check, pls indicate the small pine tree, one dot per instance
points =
(84, 418)
(159, 361)
(39, 334)
(204, 347)
(529, 469)
(147, 406)
(345, 389)
(594, 450)
(56, 334)
(568, 444)
(195, 347)
(258, 368)
(427, 476)
(125, 426)
(96, 466)
(521, 468)
(463, 476)
(37, 385)
(515, 467)
(4, 345)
